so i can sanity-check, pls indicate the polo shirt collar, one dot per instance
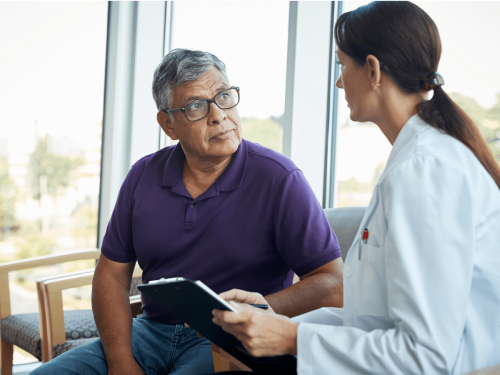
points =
(230, 179)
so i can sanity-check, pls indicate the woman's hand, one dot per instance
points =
(262, 333)
(241, 296)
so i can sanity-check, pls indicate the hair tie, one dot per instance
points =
(432, 81)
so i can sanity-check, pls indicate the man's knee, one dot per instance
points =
(85, 359)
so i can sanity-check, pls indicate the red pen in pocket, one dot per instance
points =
(365, 235)
(364, 238)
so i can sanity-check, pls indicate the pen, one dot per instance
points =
(264, 307)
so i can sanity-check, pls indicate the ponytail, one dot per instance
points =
(444, 114)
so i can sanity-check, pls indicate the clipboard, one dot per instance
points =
(193, 302)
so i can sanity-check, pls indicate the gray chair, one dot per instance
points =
(345, 222)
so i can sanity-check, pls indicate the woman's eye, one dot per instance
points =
(224, 96)
(195, 105)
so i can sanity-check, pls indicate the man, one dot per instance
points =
(214, 208)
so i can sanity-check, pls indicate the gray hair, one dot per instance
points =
(181, 66)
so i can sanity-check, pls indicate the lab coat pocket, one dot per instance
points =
(371, 286)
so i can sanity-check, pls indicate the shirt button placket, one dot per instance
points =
(190, 215)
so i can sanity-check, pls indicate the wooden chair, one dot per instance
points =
(58, 339)
(42, 312)
(23, 330)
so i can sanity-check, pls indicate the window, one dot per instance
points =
(468, 65)
(51, 100)
(251, 39)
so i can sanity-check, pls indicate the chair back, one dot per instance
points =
(345, 222)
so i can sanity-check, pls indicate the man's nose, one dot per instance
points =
(216, 115)
(339, 83)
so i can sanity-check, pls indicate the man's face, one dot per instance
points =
(218, 134)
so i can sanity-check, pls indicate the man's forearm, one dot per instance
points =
(316, 291)
(111, 307)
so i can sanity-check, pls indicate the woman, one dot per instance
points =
(422, 278)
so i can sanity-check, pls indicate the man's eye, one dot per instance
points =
(195, 105)
(224, 96)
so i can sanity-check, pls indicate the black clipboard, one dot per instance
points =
(193, 302)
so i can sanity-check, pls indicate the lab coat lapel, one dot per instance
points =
(405, 138)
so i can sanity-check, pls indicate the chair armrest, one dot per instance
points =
(223, 361)
(494, 370)
(42, 309)
(46, 260)
(52, 290)
(54, 313)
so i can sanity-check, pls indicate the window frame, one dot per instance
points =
(139, 35)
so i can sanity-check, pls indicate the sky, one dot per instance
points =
(52, 66)
(53, 56)
(250, 38)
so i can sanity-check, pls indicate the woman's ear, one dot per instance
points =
(373, 65)
(166, 124)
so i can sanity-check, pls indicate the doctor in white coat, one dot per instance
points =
(422, 278)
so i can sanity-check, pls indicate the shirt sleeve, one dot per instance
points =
(303, 236)
(117, 244)
(428, 266)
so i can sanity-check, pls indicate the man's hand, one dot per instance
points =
(241, 296)
(262, 333)
(130, 368)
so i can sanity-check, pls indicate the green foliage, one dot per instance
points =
(85, 222)
(487, 120)
(266, 132)
(59, 170)
(33, 245)
(355, 186)
(8, 195)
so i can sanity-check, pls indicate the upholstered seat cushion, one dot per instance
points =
(65, 346)
(345, 222)
(23, 330)
(133, 286)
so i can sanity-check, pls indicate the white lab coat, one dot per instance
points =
(425, 296)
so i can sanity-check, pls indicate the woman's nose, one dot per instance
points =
(339, 83)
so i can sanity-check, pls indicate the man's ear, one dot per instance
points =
(166, 124)
(373, 65)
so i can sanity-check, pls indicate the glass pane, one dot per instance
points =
(356, 173)
(468, 65)
(251, 39)
(51, 101)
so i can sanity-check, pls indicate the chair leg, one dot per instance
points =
(7, 357)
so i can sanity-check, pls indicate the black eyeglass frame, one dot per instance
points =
(210, 101)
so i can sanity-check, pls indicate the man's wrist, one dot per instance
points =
(119, 356)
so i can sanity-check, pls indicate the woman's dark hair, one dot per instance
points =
(406, 40)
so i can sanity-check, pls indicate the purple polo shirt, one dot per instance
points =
(252, 229)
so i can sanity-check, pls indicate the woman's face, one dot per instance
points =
(356, 81)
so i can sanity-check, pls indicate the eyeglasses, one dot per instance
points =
(199, 109)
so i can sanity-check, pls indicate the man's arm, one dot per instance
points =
(322, 287)
(111, 307)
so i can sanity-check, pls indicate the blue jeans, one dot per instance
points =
(158, 349)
